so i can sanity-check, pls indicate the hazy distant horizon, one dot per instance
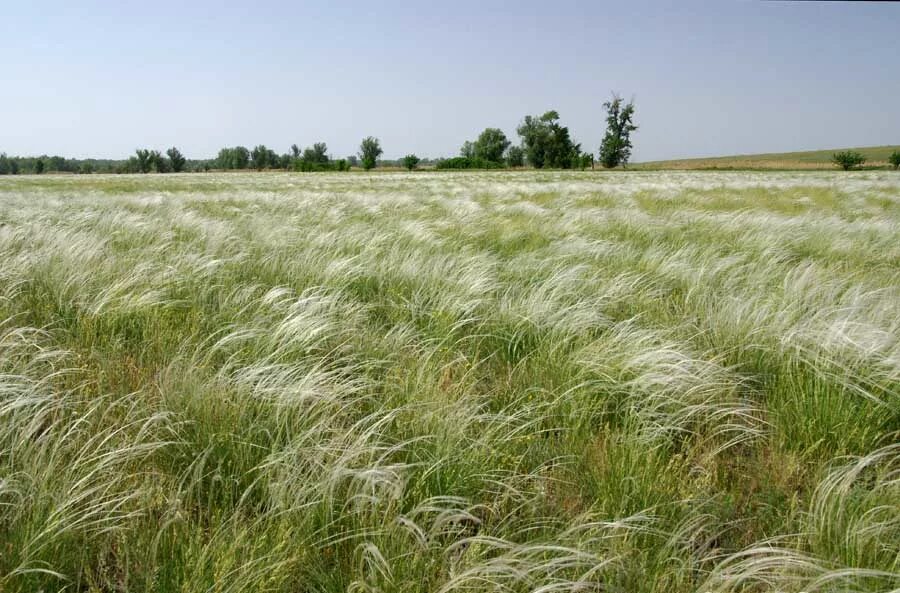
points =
(97, 81)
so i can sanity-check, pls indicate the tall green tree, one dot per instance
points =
(547, 143)
(316, 154)
(369, 151)
(467, 150)
(176, 159)
(158, 162)
(615, 149)
(490, 145)
(143, 160)
(515, 157)
(39, 166)
(260, 157)
(5, 168)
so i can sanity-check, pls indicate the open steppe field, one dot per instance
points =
(521, 382)
(876, 156)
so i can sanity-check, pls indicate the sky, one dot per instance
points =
(100, 79)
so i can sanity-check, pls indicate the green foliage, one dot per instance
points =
(369, 151)
(490, 145)
(848, 159)
(615, 149)
(158, 162)
(38, 166)
(5, 168)
(410, 162)
(515, 157)
(467, 150)
(317, 154)
(462, 162)
(584, 160)
(233, 158)
(259, 157)
(144, 163)
(546, 143)
(894, 159)
(176, 159)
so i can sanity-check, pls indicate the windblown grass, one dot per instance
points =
(542, 381)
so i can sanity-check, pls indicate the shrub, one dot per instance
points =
(894, 159)
(848, 159)
(411, 161)
(462, 162)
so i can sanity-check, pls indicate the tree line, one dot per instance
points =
(544, 143)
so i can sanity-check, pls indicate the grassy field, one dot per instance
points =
(876, 156)
(535, 381)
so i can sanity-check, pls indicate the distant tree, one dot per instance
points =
(176, 159)
(848, 159)
(369, 151)
(467, 150)
(410, 161)
(259, 157)
(38, 166)
(353, 160)
(894, 159)
(584, 160)
(615, 149)
(13, 166)
(143, 160)
(5, 168)
(515, 157)
(546, 143)
(240, 157)
(490, 145)
(295, 151)
(158, 162)
(316, 154)
(86, 168)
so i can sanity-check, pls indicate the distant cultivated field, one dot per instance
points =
(534, 381)
(876, 156)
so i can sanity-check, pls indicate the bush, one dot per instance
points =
(462, 162)
(410, 161)
(848, 159)
(314, 167)
(894, 159)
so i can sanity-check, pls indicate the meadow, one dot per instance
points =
(534, 381)
(876, 157)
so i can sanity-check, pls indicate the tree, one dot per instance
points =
(410, 161)
(615, 149)
(353, 160)
(515, 157)
(158, 162)
(38, 166)
(317, 154)
(295, 151)
(491, 145)
(176, 159)
(894, 159)
(260, 157)
(546, 143)
(4, 164)
(848, 159)
(467, 150)
(369, 151)
(143, 160)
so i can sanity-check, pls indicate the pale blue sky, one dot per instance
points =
(97, 78)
